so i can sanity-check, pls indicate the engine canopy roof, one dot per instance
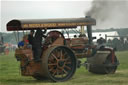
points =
(62, 23)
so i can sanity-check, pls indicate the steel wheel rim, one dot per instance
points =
(110, 69)
(61, 64)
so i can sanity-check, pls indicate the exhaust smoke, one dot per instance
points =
(109, 13)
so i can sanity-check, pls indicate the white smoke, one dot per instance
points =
(109, 13)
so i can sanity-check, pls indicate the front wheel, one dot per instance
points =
(111, 69)
(102, 65)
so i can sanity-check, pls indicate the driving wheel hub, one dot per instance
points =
(61, 63)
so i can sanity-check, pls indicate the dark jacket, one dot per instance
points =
(30, 39)
(38, 37)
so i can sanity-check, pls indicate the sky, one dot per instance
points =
(31, 9)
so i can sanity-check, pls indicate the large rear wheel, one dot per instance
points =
(60, 63)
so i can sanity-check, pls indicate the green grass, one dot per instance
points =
(10, 74)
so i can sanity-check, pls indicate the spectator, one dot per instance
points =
(101, 41)
(24, 42)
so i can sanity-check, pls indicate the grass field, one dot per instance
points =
(10, 74)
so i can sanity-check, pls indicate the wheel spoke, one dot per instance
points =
(61, 54)
(56, 52)
(57, 71)
(65, 53)
(67, 62)
(62, 75)
(54, 72)
(54, 56)
(65, 71)
(67, 67)
(52, 64)
(67, 58)
(52, 68)
(51, 59)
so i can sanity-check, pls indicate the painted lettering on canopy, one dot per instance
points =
(48, 25)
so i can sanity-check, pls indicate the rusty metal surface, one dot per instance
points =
(54, 38)
(99, 58)
(28, 66)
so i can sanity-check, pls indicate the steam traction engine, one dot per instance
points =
(60, 55)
